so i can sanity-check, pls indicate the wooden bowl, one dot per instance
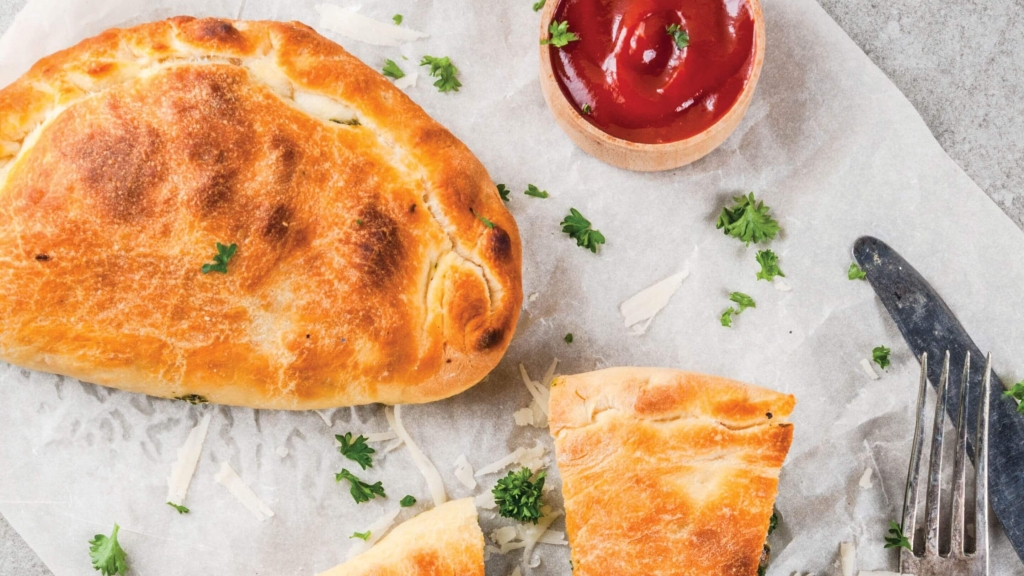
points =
(632, 155)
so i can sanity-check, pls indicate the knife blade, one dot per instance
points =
(928, 325)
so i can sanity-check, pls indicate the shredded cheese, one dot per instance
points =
(380, 436)
(516, 572)
(538, 390)
(228, 478)
(848, 557)
(324, 416)
(394, 445)
(485, 501)
(532, 458)
(377, 531)
(407, 81)
(865, 480)
(555, 537)
(781, 285)
(281, 451)
(868, 369)
(524, 416)
(532, 533)
(464, 472)
(425, 466)
(639, 310)
(351, 24)
(188, 457)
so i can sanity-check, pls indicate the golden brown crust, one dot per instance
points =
(363, 273)
(667, 473)
(444, 541)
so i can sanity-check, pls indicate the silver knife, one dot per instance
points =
(928, 325)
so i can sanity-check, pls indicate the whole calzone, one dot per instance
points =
(243, 213)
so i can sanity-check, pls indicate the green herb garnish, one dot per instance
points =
(407, 501)
(568, 338)
(444, 71)
(744, 302)
(560, 35)
(881, 356)
(361, 491)
(486, 222)
(578, 228)
(503, 192)
(679, 35)
(538, 5)
(855, 273)
(586, 109)
(356, 450)
(107, 555)
(748, 221)
(364, 536)
(397, 19)
(1017, 393)
(769, 265)
(180, 509)
(518, 496)
(896, 538)
(391, 70)
(224, 255)
(532, 190)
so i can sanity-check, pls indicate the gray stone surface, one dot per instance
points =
(957, 62)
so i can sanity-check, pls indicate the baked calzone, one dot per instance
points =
(244, 213)
(444, 541)
(667, 473)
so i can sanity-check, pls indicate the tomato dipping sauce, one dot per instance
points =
(654, 71)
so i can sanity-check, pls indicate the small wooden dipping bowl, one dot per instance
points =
(637, 156)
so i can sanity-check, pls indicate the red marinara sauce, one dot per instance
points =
(635, 81)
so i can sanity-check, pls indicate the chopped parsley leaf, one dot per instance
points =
(397, 19)
(855, 273)
(679, 35)
(444, 71)
(364, 536)
(407, 501)
(560, 35)
(881, 356)
(586, 109)
(180, 509)
(486, 222)
(578, 228)
(896, 538)
(538, 5)
(107, 555)
(744, 302)
(361, 491)
(391, 70)
(769, 265)
(503, 191)
(220, 261)
(748, 220)
(355, 450)
(568, 338)
(532, 190)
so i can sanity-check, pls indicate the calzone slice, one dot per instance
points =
(244, 213)
(444, 541)
(667, 473)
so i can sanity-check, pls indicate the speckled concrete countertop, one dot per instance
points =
(958, 63)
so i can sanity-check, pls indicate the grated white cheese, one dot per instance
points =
(380, 436)
(425, 466)
(516, 572)
(407, 81)
(486, 501)
(351, 24)
(398, 443)
(281, 451)
(539, 391)
(865, 480)
(324, 416)
(868, 369)
(781, 285)
(555, 537)
(188, 457)
(524, 416)
(639, 310)
(540, 417)
(504, 535)
(228, 478)
(532, 533)
(377, 531)
(532, 297)
(532, 458)
(464, 472)
(848, 557)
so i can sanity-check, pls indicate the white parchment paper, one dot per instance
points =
(828, 142)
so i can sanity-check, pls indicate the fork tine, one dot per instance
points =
(956, 530)
(931, 539)
(911, 495)
(981, 469)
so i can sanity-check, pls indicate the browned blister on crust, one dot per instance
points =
(363, 272)
(667, 473)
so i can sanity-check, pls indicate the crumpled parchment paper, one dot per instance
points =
(828, 142)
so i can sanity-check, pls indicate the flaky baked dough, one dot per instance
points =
(667, 473)
(444, 541)
(376, 261)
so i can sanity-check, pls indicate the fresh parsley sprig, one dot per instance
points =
(560, 35)
(748, 220)
(579, 229)
(679, 35)
(897, 539)
(220, 261)
(355, 449)
(361, 491)
(181, 509)
(107, 555)
(855, 272)
(881, 356)
(397, 19)
(1017, 393)
(744, 301)
(391, 70)
(532, 190)
(518, 495)
(538, 5)
(364, 536)
(444, 71)
(503, 191)
(769, 265)
(407, 501)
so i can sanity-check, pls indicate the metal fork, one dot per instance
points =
(958, 562)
